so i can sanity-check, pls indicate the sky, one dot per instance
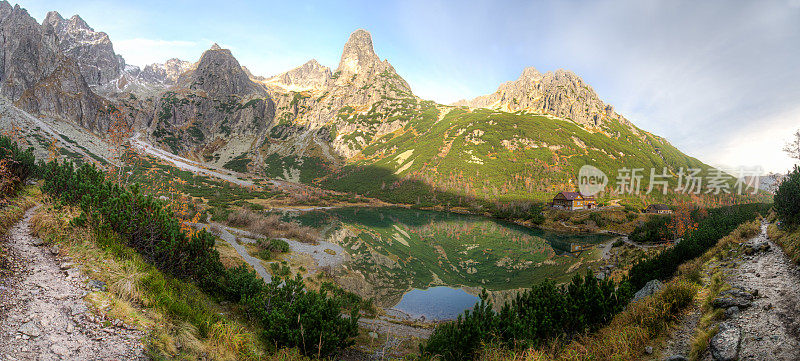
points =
(719, 79)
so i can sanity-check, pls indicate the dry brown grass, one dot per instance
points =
(788, 239)
(12, 210)
(271, 226)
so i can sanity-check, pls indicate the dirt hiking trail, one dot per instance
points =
(761, 310)
(42, 312)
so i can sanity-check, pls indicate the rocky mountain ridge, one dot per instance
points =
(312, 124)
(93, 51)
(560, 93)
(39, 77)
(166, 73)
(310, 76)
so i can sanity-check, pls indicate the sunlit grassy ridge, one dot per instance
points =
(446, 155)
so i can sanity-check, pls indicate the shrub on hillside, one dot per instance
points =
(787, 198)
(655, 229)
(16, 166)
(150, 227)
(535, 316)
(719, 222)
(293, 316)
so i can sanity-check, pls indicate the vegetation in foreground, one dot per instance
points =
(787, 210)
(181, 321)
(542, 315)
(644, 322)
(288, 316)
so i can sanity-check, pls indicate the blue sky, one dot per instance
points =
(719, 78)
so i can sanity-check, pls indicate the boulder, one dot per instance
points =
(725, 344)
(756, 246)
(738, 293)
(97, 285)
(731, 312)
(30, 329)
(649, 289)
(728, 302)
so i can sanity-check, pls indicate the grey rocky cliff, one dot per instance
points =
(26, 52)
(38, 77)
(560, 93)
(311, 75)
(219, 74)
(64, 94)
(210, 103)
(92, 50)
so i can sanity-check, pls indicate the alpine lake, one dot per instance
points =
(433, 265)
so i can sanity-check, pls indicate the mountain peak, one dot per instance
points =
(561, 93)
(530, 73)
(53, 18)
(219, 74)
(358, 53)
(77, 22)
(5, 9)
(313, 63)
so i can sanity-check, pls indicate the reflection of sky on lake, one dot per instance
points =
(436, 303)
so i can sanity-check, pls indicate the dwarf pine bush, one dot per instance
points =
(290, 315)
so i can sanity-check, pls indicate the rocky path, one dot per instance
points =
(43, 315)
(761, 318)
(767, 317)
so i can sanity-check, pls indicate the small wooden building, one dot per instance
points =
(573, 201)
(658, 209)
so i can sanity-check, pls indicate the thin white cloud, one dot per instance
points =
(759, 143)
(141, 51)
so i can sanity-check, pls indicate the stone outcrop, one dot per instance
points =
(219, 74)
(309, 76)
(92, 50)
(560, 93)
(65, 94)
(649, 289)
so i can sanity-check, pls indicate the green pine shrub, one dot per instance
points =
(310, 320)
(787, 198)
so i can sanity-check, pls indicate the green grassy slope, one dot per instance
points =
(492, 155)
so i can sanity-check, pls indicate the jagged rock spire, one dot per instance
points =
(358, 53)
